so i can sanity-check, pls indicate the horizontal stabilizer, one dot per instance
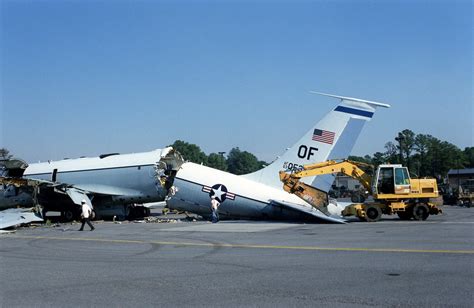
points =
(351, 99)
(311, 211)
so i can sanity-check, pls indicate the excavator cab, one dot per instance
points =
(392, 179)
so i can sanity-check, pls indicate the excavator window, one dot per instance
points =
(386, 181)
(401, 176)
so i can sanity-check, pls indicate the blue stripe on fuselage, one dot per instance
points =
(354, 111)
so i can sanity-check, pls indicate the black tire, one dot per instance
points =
(407, 215)
(421, 211)
(357, 198)
(146, 212)
(68, 215)
(373, 213)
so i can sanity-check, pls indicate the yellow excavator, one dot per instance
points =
(392, 189)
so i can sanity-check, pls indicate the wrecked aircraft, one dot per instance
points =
(260, 195)
(110, 183)
(120, 180)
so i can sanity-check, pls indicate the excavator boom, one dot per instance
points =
(347, 167)
(318, 198)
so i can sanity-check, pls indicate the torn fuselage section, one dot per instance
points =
(166, 170)
(14, 191)
(117, 185)
(12, 167)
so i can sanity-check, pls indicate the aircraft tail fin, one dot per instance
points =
(333, 137)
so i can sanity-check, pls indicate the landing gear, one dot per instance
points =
(138, 212)
(68, 215)
(357, 198)
(421, 211)
(373, 213)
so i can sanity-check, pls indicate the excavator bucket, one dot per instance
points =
(315, 197)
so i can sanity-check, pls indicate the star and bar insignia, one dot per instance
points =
(219, 191)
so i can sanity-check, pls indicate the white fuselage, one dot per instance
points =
(115, 179)
(128, 177)
(245, 198)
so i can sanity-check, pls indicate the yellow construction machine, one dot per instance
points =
(391, 187)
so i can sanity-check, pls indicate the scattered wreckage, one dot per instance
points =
(12, 218)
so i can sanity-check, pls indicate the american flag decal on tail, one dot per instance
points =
(323, 136)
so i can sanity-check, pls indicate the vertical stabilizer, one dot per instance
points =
(332, 137)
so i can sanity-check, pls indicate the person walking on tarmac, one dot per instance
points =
(86, 214)
(214, 206)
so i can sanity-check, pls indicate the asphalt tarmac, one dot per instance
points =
(242, 263)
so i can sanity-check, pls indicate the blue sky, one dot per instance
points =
(80, 78)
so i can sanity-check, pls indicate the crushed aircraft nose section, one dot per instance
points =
(13, 167)
(14, 190)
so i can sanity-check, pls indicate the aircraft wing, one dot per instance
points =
(13, 217)
(80, 192)
(106, 190)
(154, 205)
(77, 195)
(307, 210)
(76, 192)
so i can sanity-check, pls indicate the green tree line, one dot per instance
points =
(237, 161)
(424, 155)
(4, 154)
